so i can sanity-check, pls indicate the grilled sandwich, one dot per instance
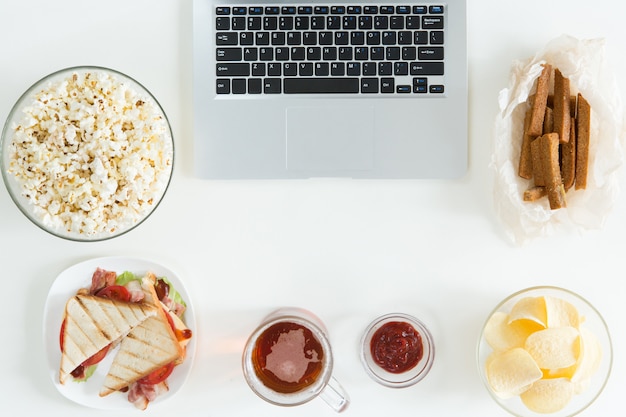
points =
(92, 323)
(148, 347)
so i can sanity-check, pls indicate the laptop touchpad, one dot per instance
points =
(330, 138)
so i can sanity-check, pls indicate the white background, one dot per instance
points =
(347, 250)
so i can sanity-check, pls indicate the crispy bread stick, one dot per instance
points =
(583, 126)
(548, 121)
(549, 146)
(538, 161)
(525, 168)
(539, 103)
(568, 158)
(535, 193)
(561, 106)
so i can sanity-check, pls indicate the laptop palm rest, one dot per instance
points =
(330, 138)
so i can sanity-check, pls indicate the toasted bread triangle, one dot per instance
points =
(92, 323)
(148, 347)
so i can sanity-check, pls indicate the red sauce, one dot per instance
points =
(396, 347)
(287, 357)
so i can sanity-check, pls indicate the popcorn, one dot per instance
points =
(92, 155)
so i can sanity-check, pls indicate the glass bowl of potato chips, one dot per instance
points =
(544, 351)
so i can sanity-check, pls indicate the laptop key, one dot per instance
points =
(434, 53)
(369, 85)
(338, 69)
(420, 37)
(403, 89)
(322, 69)
(228, 54)
(249, 54)
(282, 54)
(255, 86)
(420, 85)
(432, 22)
(271, 86)
(436, 9)
(239, 23)
(254, 23)
(239, 86)
(385, 68)
(258, 69)
(226, 38)
(401, 68)
(354, 69)
(305, 69)
(274, 69)
(396, 22)
(369, 68)
(246, 38)
(392, 53)
(298, 53)
(387, 85)
(233, 69)
(436, 37)
(426, 68)
(222, 23)
(222, 86)
(437, 89)
(377, 53)
(290, 69)
(321, 85)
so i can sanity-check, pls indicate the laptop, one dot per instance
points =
(294, 89)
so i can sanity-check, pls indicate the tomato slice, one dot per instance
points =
(89, 361)
(97, 357)
(61, 338)
(114, 292)
(157, 376)
(170, 320)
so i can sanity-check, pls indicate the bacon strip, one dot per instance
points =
(141, 394)
(101, 278)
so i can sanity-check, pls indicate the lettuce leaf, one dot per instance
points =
(173, 294)
(89, 371)
(125, 277)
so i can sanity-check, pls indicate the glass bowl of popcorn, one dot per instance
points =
(87, 153)
(544, 351)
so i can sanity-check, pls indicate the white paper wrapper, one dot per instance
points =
(583, 62)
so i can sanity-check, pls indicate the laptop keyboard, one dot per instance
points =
(351, 49)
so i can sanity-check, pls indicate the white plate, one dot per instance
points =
(64, 287)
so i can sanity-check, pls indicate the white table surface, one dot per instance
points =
(347, 250)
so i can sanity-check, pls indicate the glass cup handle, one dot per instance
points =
(335, 396)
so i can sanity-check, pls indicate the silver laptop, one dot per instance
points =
(293, 89)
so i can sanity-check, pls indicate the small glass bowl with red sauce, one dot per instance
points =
(397, 350)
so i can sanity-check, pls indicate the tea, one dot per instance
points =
(287, 357)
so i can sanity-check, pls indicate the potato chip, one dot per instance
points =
(560, 313)
(511, 372)
(502, 335)
(548, 395)
(529, 308)
(588, 362)
(560, 372)
(554, 348)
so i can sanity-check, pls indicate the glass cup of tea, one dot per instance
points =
(288, 361)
